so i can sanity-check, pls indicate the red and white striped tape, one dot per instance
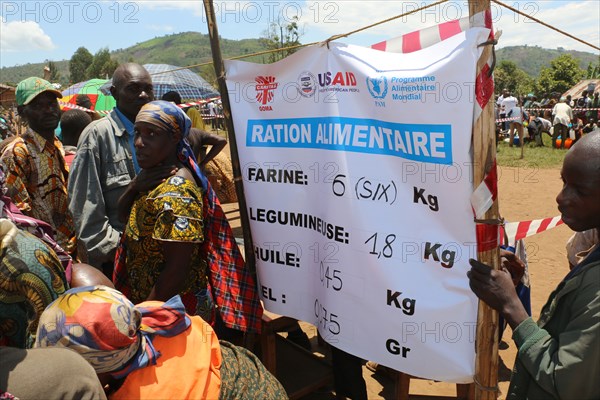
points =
(508, 119)
(76, 107)
(550, 108)
(520, 230)
(193, 103)
(206, 116)
(105, 112)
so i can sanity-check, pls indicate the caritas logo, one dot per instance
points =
(265, 85)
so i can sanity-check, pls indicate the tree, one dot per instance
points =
(103, 66)
(79, 63)
(593, 72)
(280, 35)
(54, 74)
(508, 76)
(563, 73)
(545, 82)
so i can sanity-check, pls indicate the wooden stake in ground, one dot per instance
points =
(522, 139)
(484, 153)
(235, 161)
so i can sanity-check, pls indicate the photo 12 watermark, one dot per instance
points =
(70, 11)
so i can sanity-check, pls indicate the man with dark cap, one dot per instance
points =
(34, 162)
(105, 165)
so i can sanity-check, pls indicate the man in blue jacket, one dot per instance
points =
(105, 165)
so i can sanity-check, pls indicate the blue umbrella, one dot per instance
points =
(166, 78)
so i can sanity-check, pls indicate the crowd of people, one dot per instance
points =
(564, 119)
(119, 267)
(135, 211)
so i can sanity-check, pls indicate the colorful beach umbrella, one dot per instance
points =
(100, 100)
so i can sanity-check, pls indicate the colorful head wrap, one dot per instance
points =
(105, 328)
(169, 117)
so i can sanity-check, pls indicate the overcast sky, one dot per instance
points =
(33, 31)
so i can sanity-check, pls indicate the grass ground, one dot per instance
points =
(534, 157)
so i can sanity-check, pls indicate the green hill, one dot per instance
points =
(531, 59)
(13, 75)
(191, 48)
(182, 49)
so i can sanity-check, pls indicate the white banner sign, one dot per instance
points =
(357, 172)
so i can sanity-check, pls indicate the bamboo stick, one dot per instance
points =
(235, 161)
(484, 153)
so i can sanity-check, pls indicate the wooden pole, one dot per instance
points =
(235, 161)
(522, 136)
(484, 153)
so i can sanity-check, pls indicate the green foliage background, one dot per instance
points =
(191, 48)
(531, 59)
(181, 49)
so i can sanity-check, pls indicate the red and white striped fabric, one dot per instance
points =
(520, 230)
(483, 197)
(485, 194)
(417, 40)
(423, 38)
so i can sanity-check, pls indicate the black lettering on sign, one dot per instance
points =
(393, 347)
(277, 257)
(431, 201)
(267, 293)
(406, 305)
(301, 220)
(273, 175)
(447, 256)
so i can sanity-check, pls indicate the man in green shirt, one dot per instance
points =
(558, 358)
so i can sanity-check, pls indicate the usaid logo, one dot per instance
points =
(307, 84)
(378, 86)
(265, 86)
(338, 79)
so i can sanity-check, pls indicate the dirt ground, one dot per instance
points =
(524, 194)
